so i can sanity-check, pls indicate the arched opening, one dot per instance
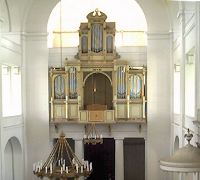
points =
(13, 160)
(66, 17)
(98, 90)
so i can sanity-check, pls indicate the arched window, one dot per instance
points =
(130, 22)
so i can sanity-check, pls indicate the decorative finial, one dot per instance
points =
(97, 12)
(62, 134)
(188, 136)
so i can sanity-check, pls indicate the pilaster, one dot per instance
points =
(119, 159)
(182, 76)
(158, 114)
(197, 60)
(37, 100)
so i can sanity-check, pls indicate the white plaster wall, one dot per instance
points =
(118, 131)
(37, 112)
(158, 93)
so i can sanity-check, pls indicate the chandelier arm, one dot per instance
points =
(62, 148)
(90, 131)
(66, 147)
(59, 150)
(73, 154)
(51, 155)
(97, 133)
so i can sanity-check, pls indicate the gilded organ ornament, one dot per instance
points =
(97, 86)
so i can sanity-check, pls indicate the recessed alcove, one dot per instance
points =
(13, 159)
(98, 90)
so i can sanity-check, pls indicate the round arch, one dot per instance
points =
(13, 159)
(99, 72)
(156, 14)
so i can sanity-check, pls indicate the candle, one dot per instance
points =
(46, 169)
(67, 171)
(51, 168)
(59, 163)
(61, 170)
(81, 169)
(101, 136)
(84, 136)
(63, 167)
(90, 166)
(77, 168)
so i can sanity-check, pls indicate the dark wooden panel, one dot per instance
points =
(103, 158)
(134, 159)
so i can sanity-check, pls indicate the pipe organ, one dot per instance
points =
(97, 86)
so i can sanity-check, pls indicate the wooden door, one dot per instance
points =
(98, 90)
(134, 159)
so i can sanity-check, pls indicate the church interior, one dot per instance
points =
(99, 90)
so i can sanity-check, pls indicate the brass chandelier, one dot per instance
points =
(92, 136)
(62, 163)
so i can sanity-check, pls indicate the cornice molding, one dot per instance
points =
(159, 35)
(34, 36)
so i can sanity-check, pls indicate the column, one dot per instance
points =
(180, 176)
(0, 104)
(196, 176)
(182, 74)
(158, 103)
(128, 106)
(197, 60)
(79, 151)
(119, 159)
(35, 69)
